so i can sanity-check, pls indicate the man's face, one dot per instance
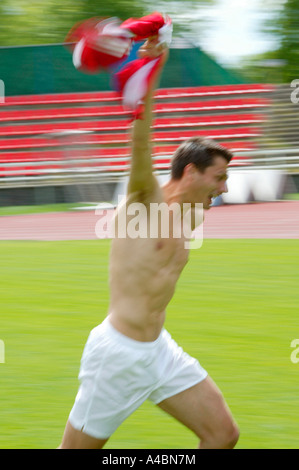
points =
(208, 184)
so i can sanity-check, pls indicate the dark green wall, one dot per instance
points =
(49, 69)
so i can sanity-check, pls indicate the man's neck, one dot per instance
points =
(174, 193)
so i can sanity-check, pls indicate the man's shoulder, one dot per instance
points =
(146, 196)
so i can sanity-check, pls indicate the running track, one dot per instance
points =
(256, 220)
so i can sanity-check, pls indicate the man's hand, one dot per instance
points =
(152, 48)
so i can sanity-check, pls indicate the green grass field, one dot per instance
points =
(235, 309)
(42, 208)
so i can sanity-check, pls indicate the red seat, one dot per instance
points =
(118, 125)
(116, 138)
(106, 96)
(44, 134)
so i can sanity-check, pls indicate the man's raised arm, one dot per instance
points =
(141, 179)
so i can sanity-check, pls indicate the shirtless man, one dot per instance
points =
(130, 357)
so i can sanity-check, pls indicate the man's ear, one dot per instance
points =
(190, 171)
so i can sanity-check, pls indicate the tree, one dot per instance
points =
(48, 21)
(280, 65)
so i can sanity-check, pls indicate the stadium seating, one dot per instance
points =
(68, 134)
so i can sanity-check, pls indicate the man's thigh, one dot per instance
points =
(203, 410)
(74, 439)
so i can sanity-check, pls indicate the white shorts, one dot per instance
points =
(118, 374)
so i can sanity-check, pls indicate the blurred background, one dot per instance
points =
(232, 74)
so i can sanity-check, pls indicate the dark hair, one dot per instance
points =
(199, 151)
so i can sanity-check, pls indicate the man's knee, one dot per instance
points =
(230, 436)
(224, 437)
